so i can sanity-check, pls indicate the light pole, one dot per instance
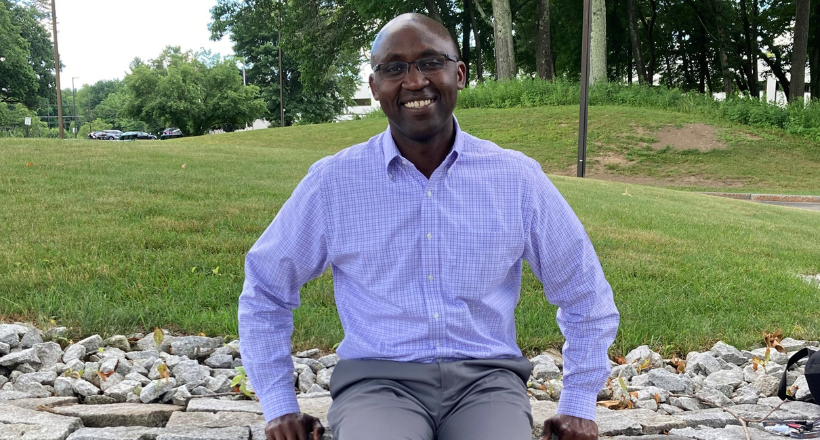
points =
(584, 110)
(74, 104)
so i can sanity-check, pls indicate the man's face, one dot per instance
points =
(417, 106)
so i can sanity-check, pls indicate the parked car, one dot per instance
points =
(110, 135)
(136, 135)
(170, 133)
(96, 135)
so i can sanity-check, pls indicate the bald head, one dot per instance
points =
(418, 21)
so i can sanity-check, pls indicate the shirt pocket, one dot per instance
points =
(482, 260)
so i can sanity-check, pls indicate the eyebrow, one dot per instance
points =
(424, 53)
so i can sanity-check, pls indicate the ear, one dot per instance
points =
(461, 75)
(373, 87)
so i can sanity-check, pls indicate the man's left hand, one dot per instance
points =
(569, 428)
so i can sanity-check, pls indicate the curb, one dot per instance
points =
(767, 197)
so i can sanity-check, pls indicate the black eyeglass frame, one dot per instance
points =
(447, 57)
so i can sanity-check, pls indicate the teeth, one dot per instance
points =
(418, 104)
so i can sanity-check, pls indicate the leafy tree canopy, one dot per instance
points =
(179, 89)
(321, 46)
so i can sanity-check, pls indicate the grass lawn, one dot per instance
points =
(114, 237)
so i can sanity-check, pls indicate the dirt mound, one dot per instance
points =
(699, 137)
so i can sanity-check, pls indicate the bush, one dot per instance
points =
(797, 118)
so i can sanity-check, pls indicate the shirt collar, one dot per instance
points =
(391, 151)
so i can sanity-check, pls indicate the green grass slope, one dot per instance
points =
(113, 237)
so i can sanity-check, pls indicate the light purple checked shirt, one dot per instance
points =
(426, 270)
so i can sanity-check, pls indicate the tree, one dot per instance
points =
(597, 65)
(321, 53)
(30, 20)
(502, 33)
(18, 82)
(815, 57)
(801, 38)
(183, 91)
(543, 51)
(635, 40)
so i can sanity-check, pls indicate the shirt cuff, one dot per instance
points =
(281, 403)
(578, 403)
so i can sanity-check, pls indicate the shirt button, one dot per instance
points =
(429, 193)
(435, 315)
(430, 277)
(429, 235)
(404, 162)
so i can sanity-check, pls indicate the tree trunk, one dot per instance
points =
(629, 65)
(543, 50)
(597, 52)
(479, 69)
(650, 37)
(502, 33)
(465, 39)
(632, 15)
(801, 37)
(432, 10)
(750, 65)
(815, 58)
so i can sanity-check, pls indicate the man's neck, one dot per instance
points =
(427, 155)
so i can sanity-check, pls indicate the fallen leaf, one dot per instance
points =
(104, 376)
(201, 334)
(158, 336)
(626, 193)
(643, 365)
(633, 394)
(772, 340)
(678, 363)
(163, 372)
(29, 164)
(183, 166)
(620, 360)
(609, 404)
(657, 399)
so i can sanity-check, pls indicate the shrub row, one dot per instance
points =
(797, 118)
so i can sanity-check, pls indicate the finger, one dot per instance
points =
(547, 434)
(318, 430)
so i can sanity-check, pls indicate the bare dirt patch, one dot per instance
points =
(699, 137)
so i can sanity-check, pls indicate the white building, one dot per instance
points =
(363, 99)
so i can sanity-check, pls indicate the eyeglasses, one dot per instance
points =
(427, 66)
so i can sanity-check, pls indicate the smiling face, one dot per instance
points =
(419, 107)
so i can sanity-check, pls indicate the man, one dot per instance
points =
(425, 228)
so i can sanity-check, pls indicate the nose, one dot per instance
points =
(414, 79)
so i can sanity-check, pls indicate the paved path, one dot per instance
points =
(810, 203)
(61, 418)
(799, 205)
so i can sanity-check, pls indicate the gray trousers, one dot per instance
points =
(476, 399)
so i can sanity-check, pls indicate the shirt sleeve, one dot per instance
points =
(290, 252)
(562, 258)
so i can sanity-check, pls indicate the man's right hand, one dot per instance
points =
(295, 426)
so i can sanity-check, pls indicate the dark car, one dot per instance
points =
(110, 135)
(170, 133)
(136, 135)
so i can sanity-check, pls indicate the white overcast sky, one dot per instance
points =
(99, 38)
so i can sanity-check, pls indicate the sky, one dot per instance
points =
(99, 38)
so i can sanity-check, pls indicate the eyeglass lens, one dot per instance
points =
(426, 65)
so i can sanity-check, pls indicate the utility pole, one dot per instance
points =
(279, 43)
(74, 104)
(584, 111)
(57, 69)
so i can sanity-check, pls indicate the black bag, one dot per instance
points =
(812, 374)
